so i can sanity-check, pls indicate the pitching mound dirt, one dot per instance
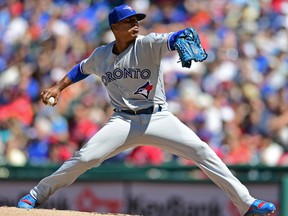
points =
(13, 211)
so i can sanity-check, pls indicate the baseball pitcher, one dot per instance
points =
(130, 70)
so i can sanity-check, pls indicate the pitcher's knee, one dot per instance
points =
(203, 150)
(87, 158)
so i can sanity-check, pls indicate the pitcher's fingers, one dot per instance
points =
(44, 97)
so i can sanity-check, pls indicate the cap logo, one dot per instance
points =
(127, 7)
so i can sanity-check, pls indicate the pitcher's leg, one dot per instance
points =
(178, 139)
(218, 172)
(104, 144)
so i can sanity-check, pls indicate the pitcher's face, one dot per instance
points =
(128, 28)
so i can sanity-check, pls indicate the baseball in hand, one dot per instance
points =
(51, 101)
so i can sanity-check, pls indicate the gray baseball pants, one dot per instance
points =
(161, 129)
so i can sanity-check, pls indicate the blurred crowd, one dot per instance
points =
(236, 101)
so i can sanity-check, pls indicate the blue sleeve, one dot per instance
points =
(76, 75)
(172, 39)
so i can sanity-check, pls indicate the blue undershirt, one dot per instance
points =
(172, 39)
(75, 74)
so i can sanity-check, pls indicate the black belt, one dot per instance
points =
(149, 110)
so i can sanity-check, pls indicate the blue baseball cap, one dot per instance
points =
(122, 12)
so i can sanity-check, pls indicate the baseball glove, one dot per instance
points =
(189, 47)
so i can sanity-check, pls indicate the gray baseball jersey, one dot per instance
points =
(134, 80)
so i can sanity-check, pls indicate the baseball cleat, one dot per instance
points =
(28, 202)
(260, 208)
